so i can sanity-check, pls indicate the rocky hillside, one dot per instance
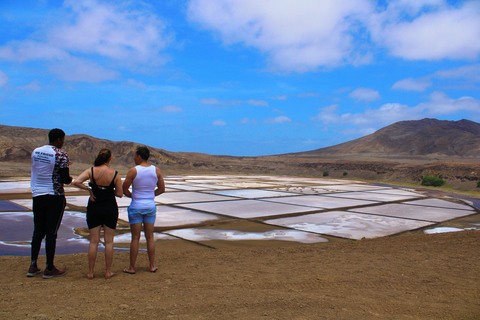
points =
(403, 152)
(17, 144)
(427, 138)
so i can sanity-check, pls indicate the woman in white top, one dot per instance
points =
(147, 183)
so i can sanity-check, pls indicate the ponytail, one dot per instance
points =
(102, 158)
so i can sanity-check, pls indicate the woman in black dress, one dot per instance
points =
(102, 210)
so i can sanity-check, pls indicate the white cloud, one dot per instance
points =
(32, 86)
(280, 97)
(429, 30)
(307, 95)
(439, 104)
(76, 69)
(135, 83)
(248, 121)
(258, 103)
(129, 34)
(210, 101)
(279, 119)
(411, 84)
(306, 35)
(364, 94)
(167, 108)
(469, 74)
(297, 35)
(327, 115)
(172, 109)
(3, 79)
(28, 50)
(215, 101)
(92, 33)
(219, 123)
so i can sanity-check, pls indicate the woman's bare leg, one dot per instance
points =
(92, 249)
(108, 236)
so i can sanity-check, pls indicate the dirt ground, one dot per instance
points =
(410, 276)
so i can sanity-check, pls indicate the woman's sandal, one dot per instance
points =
(126, 270)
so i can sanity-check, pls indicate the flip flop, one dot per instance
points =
(128, 271)
(154, 270)
(109, 276)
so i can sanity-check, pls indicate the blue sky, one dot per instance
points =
(237, 77)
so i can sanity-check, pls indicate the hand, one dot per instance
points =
(92, 197)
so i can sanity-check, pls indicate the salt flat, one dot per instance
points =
(204, 208)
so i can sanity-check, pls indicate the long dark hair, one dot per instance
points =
(102, 158)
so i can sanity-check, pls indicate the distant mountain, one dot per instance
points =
(17, 144)
(402, 152)
(421, 138)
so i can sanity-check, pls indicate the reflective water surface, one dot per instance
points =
(227, 208)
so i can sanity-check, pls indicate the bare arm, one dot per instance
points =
(84, 176)
(160, 184)
(118, 186)
(131, 174)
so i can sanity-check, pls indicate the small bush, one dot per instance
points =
(430, 181)
(345, 173)
(325, 173)
(478, 184)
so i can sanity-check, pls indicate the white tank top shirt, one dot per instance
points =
(143, 188)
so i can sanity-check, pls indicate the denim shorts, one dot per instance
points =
(142, 215)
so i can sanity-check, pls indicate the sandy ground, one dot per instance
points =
(410, 276)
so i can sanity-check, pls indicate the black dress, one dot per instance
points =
(104, 210)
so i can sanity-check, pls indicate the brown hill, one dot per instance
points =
(416, 140)
(402, 152)
(17, 144)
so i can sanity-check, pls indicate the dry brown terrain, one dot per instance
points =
(402, 152)
(412, 276)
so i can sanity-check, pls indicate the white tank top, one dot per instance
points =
(143, 188)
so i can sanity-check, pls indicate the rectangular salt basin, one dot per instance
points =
(186, 197)
(302, 189)
(247, 184)
(211, 186)
(326, 181)
(199, 235)
(410, 211)
(439, 203)
(398, 191)
(15, 184)
(349, 225)
(352, 187)
(27, 203)
(186, 187)
(247, 208)
(174, 217)
(251, 193)
(382, 197)
(321, 202)
(6, 205)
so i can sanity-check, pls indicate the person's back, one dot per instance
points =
(46, 163)
(143, 187)
(102, 184)
(147, 183)
(50, 170)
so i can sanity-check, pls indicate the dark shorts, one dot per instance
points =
(98, 215)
